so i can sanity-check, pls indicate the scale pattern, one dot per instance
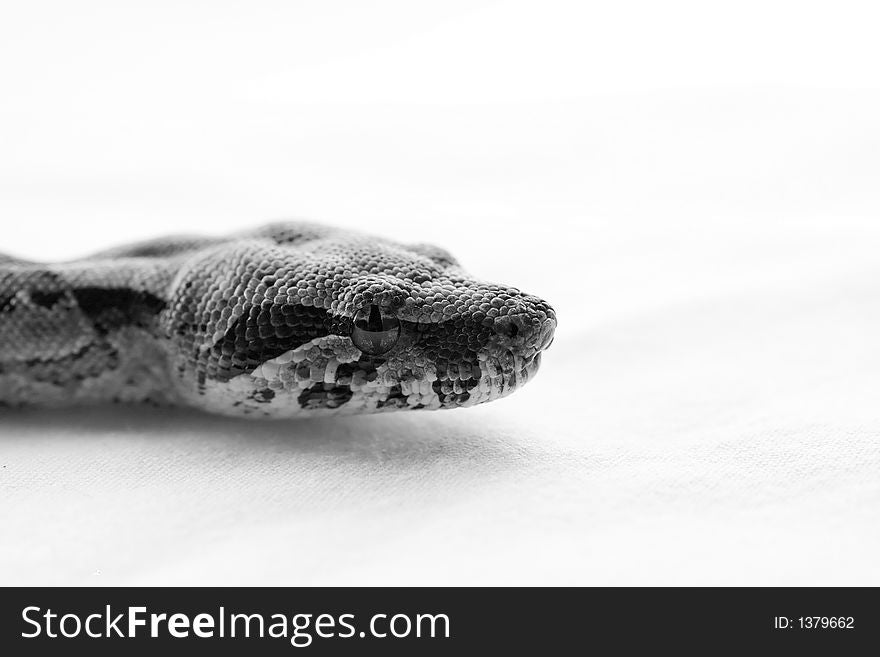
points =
(292, 319)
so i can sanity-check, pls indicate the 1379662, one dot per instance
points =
(826, 622)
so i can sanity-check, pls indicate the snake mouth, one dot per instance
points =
(526, 370)
(503, 373)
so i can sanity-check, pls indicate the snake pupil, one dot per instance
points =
(374, 323)
(374, 333)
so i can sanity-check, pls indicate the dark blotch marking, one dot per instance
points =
(366, 364)
(113, 308)
(46, 299)
(263, 396)
(324, 395)
(43, 287)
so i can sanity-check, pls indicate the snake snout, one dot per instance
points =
(527, 330)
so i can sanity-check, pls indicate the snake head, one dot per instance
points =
(330, 321)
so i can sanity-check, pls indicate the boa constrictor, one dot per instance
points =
(292, 319)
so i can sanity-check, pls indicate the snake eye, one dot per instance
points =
(374, 333)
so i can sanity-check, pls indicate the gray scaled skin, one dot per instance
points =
(290, 320)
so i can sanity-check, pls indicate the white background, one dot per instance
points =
(694, 187)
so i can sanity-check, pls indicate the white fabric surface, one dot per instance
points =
(706, 227)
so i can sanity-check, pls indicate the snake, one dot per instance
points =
(290, 319)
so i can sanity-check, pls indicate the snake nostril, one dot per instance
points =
(525, 332)
(506, 327)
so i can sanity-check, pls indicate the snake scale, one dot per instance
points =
(291, 319)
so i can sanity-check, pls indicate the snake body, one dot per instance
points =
(291, 319)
